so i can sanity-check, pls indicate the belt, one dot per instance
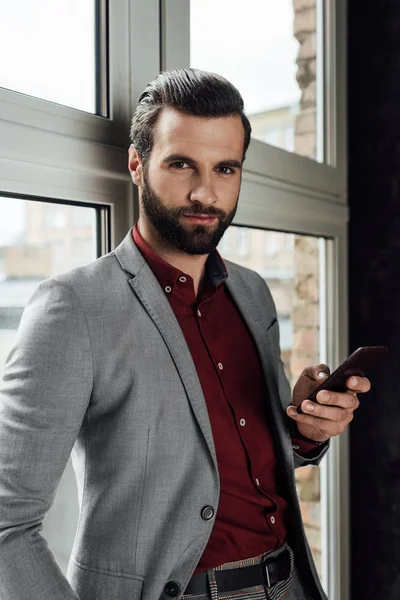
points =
(269, 572)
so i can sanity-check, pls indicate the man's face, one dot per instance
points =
(191, 181)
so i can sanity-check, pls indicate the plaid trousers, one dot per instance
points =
(290, 589)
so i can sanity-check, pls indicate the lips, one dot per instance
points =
(200, 216)
(200, 219)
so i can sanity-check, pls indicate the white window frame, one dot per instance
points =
(48, 150)
(287, 192)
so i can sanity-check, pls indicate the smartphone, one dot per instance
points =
(360, 363)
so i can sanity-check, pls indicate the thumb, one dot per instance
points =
(308, 381)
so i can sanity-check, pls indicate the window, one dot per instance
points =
(269, 51)
(48, 50)
(242, 241)
(225, 244)
(54, 217)
(279, 243)
(80, 217)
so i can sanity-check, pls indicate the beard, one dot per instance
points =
(194, 240)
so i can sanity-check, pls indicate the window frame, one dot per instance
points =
(113, 97)
(52, 151)
(103, 216)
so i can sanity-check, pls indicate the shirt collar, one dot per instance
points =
(166, 273)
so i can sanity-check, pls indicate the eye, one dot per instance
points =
(225, 170)
(180, 165)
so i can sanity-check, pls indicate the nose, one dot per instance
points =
(203, 191)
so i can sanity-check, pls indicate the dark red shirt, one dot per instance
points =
(251, 515)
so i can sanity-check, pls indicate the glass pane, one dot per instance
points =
(48, 50)
(267, 49)
(38, 240)
(292, 266)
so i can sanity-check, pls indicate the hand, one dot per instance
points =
(321, 422)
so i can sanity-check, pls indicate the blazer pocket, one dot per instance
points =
(93, 584)
(272, 332)
(272, 324)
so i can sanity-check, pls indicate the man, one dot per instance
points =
(159, 365)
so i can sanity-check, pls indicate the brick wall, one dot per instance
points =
(304, 28)
(305, 313)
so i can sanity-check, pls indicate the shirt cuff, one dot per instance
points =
(304, 446)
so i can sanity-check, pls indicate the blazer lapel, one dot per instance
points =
(148, 290)
(243, 297)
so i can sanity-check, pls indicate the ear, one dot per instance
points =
(135, 166)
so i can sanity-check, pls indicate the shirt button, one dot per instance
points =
(296, 447)
(182, 279)
(272, 520)
(207, 513)
(199, 313)
(168, 289)
(242, 422)
(172, 589)
(220, 366)
(257, 482)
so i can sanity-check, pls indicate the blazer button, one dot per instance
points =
(172, 589)
(207, 513)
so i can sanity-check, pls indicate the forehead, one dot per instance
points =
(179, 132)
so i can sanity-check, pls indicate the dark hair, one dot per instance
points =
(190, 91)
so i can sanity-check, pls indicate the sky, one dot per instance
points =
(251, 43)
(47, 50)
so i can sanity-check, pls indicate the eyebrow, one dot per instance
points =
(235, 164)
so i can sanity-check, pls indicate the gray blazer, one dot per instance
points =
(101, 368)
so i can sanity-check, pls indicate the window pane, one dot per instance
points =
(38, 240)
(48, 50)
(267, 49)
(291, 266)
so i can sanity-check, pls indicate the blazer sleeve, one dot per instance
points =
(44, 395)
(285, 392)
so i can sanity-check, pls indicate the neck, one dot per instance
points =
(192, 265)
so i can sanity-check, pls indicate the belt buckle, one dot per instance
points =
(267, 574)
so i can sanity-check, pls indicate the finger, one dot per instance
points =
(330, 413)
(316, 372)
(346, 400)
(291, 411)
(310, 378)
(330, 426)
(358, 384)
